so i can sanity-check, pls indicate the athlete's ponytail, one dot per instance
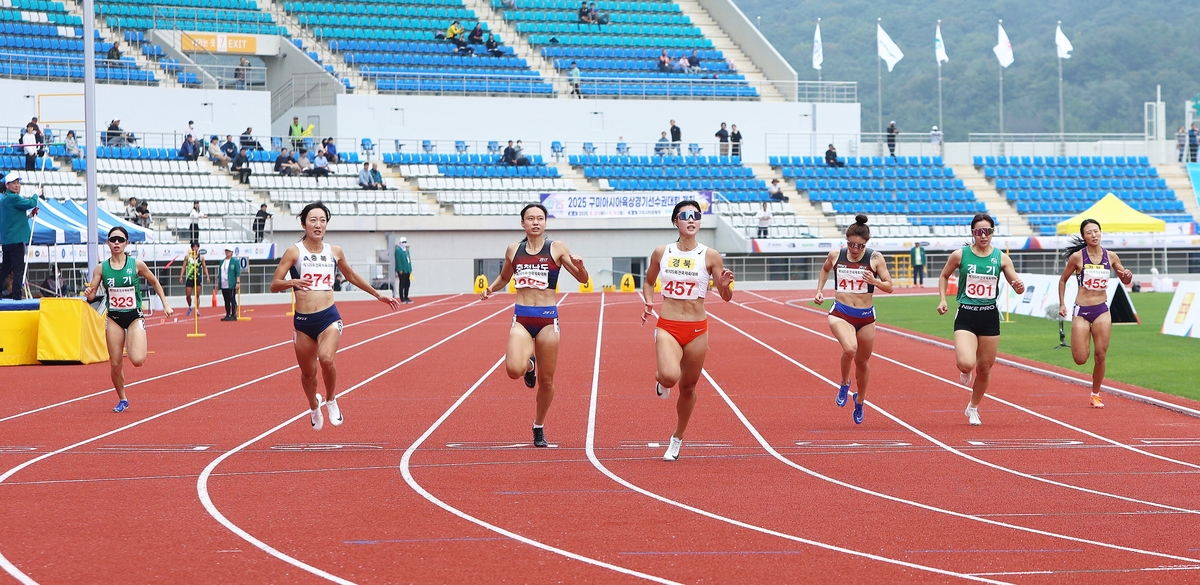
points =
(859, 228)
(1077, 242)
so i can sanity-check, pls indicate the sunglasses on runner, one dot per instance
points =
(983, 231)
(116, 240)
(854, 246)
(689, 215)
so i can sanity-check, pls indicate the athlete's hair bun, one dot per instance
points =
(860, 218)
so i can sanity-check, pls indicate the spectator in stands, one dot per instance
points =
(776, 192)
(114, 52)
(831, 158)
(216, 155)
(331, 152)
(585, 15)
(935, 138)
(72, 144)
(320, 166)
(194, 217)
(246, 140)
(285, 165)
(493, 48)
(241, 166)
(575, 78)
(1181, 142)
(115, 136)
(723, 137)
(240, 73)
(34, 122)
(694, 61)
(764, 221)
(520, 160)
(663, 146)
(476, 36)
(509, 4)
(510, 155)
(595, 15)
(365, 180)
(664, 61)
(377, 177)
(303, 160)
(131, 211)
(454, 34)
(191, 129)
(143, 214)
(682, 65)
(229, 149)
(735, 138)
(188, 150)
(1193, 142)
(676, 137)
(29, 145)
(295, 132)
(892, 133)
(260, 222)
(731, 64)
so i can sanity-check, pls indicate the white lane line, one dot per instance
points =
(591, 453)
(12, 569)
(412, 482)
(864, 490)
(204, 365)
(202, 481)
(990, 396)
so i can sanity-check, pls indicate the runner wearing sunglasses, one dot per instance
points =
(532, 351)
(125, 327)
(681, 332)
(977, 321)
(311, 264)
(858, 272)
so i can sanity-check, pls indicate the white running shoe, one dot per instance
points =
(663, 393)
(967, 378)
(673, 450)
(973, 416)
(318, 420)
(335, 413)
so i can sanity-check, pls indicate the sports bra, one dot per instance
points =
(848, 275)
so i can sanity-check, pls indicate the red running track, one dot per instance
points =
(215, 475)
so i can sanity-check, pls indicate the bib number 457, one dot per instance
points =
(679, 288)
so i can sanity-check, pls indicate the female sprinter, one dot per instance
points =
(977, 321)
(193, 276)
(681, 333)
(125, 328)
(858, 271)
(1092, 323)
(310, 264)
(533, 338)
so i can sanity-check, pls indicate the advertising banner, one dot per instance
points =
(1006, 243)
(220, 43)
(621, 203)
(1041, 293)
(1185, 310)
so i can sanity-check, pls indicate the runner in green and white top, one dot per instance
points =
(977, 321)
(121, 276)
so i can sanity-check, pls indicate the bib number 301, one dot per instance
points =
(981, 286)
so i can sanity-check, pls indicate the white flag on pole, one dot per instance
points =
(939, 47)
(1003, 48)
(888, 51)
(1064, 44)
(818, 52)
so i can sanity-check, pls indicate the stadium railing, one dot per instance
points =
(1079, 144)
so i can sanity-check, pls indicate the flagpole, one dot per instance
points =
(1062, 137)
(941, 126)
(1001, 104)
(879, 69)
(822, 51)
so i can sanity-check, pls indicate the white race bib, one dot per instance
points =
(532, 277)
(122, 298)
(681, 277)
(850, 280)
(981, 286)
(1095, 277)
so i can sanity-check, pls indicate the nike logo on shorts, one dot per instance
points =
(699, 331)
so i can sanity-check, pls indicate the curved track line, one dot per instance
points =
(1014, 405)
(928, 507)
(202, 481)
(950, 449)
(206, 364)
(591, 454)
(11, 569)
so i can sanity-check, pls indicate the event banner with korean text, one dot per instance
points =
(621, 203)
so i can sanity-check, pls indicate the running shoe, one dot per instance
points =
(539, 437)
(973, 416)
(1096, 402)
(531, 373)
(335, 413)
(663, 393)
(318, 420)
(121, 406)
(858, 409)
(673, 450)
(189, 313)
(967, 378)
(843, 390)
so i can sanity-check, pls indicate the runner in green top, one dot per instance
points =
(125, 328)
(193, 276)
(977, 321)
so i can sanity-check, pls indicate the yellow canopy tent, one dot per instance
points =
(1114, 217)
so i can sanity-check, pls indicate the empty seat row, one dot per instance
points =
(220, 4)
(504, 184)
(183, 13)
(54, 18)
(430, 60)
(780, 232)
(487, 208)
(345, 209)
(868, 172)
(686, 184)
(103, 74)
(624, 160)
(1014, 195)
(885, 219)
(585, 65)
(613, 40)
(957, 207)
(120, 165)
(452, 197)
(888, 196)
(857, 161)
(667, 172)
(877, 185)
(735, 208)
(604, 7)
(497, 171)
(481, 72)
(430, 158)
(356, 196)
(387, 22)
(440, 47)
(134, 152)
(149, 180)
(455, 86)
(614, 18)
(183, 198)
(627, 53)
(1072, 172)
(1127, 183)
(376, 9)
(337, 182)
(47, 177)
(72, 46)
(123, 22)
(1076, 206)
(1061, 161)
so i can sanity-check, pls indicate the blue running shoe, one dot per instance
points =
(121, 406)
(841, 397)
(858, 411)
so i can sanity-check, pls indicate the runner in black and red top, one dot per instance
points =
(858, 271)
(533, 265)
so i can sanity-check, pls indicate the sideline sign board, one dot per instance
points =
(621, 203)
(1041, 291)
(1184, 312)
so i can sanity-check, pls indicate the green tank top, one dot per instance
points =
(191, 266)
(123, 285)
(979, 278)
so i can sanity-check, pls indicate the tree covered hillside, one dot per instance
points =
(1122, 51)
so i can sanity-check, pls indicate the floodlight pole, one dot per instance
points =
(91, 137)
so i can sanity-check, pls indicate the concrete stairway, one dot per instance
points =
(1177, 178)
(997, 206)
(822, 226)
(721, 41)
(320, 47)
(572, 174)
(508, 33)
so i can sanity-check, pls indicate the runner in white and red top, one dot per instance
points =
(857, 271)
